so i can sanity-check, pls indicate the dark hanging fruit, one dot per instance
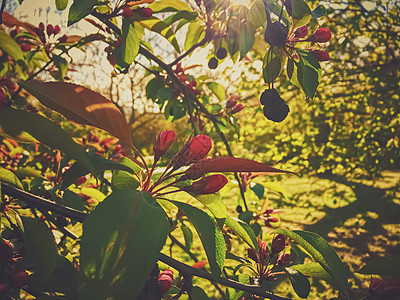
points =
(221, 53)
(275, 108)
(213, 63)
(276, 34)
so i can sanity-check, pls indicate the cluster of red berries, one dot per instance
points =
(12, 278)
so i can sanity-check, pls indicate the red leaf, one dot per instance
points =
(11, 21)
(229, 164)
(81, 105)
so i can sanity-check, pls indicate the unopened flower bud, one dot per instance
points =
(165, 282)
(163, 142)
(50, 29)
(251, 253)
(278, 244)
(207, 185)
(237, 109)
(57, 29)
(63, 39)
(230, 103)
(199, 147)
(6, 251)
(301, 32)
(41, 26)
(19, 279)
(168, 272)
(80, 181)
(321, 35)
(263, 251)
(284, 259)
(25, 47)
(145, 12)
(276, 34)
(127, 12)
(321, 55)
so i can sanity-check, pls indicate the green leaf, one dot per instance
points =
(98, 164)
(277, 187)
(61, 4)
(40, 245)
(124, 180)
(188, 236)
(198, 293)
(383, 266)
(246, 38)
(313, 269)
(195, 31)
(243, 230)
(257, 14)
(183, 14)
(300, 283)
(72, 200)
(321, 251)
(210, 236)
(64, 280)
(130, 44)
(117, 262)
(156, 25)
(291, 70)
(214, 204)
(258, 189)
(300, 9)
(308, 72)
(62, 66)
(15, 121)
(80, 9)
(153, 87)
(7, 44)
(217, 89)
(273, 64)
(319, 11)
(8, 176)
(168, 6)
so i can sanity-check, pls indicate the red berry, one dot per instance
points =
(6, 250)
(57, 29)
(50, 29)
(145, 12)
(127, 12)
(19, 279)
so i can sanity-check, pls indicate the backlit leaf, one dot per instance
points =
(243, 230)
(117, 262)
(9, 177)
(171, 5)
(81, 105)
(217, 89)
(300, 9)
(210, 235)
(195, 31)
(15, 121)
(300, 283)
(7, 44)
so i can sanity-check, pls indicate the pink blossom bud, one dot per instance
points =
(263, 251)
(165, 282)
(251, 253)
(377, 287)
(321, 55)
(321, 35)
(50, 29)
(19, 279)
(301, 32)
(278, 244)
(63, 39)
(41, 26)
(127, 12)
(163, 142)
(284, 259)
(117, 149)
(25, 47)
(145, 12)
(168, 272)
(207, 185)
(230, 103)
(57, 29)
(237, 109)
(80, 181)
(199, 147)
